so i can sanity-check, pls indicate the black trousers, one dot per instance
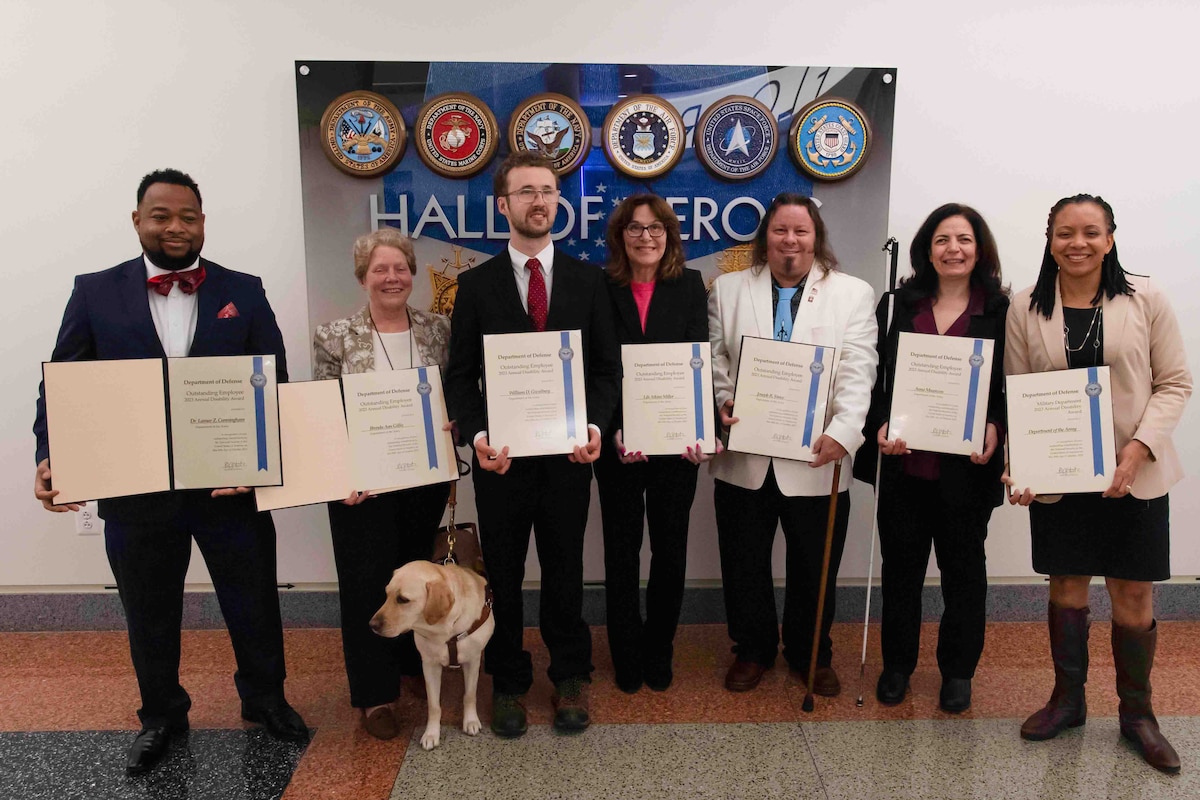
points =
(370, 541)
(912, 516)
(746, 524)
(150, 561)
(549, 495)
(657, 493)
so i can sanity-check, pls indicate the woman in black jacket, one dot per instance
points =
(931, 498)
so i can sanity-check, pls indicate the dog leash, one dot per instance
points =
(452, 643)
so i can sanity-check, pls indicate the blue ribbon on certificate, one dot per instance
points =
(568, 385)
(260, 413)
(1094, 407)
(813, 394)
(427, 414)
(697, 364)
(976, 362)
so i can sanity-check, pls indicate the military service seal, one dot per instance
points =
(456, 135)
(736, 138)
(643, 136)
(830, 139)
(554, 126)
(363, 134)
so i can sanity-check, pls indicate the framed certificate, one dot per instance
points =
(395, 421)
(535, 392)
(667, 397)
(1060, 431)
(313, 445)
(940, 392)
(106, 422)
(780, 398)
(224, 421)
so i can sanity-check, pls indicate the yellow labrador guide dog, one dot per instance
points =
(448, 608)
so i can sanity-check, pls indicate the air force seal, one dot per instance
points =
(553, 126)
(830, 139)
(644, 136)
(736, 138)
(363, 134)
(456, 135)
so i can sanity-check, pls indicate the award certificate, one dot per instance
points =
(535, 392)
(395, 422)
(224, 421)
(106, 422)
(667, 397)
(1060, 431)
(940, 393)
(313, 445)
(780, 398)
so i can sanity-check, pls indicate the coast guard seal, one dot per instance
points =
(736, 138)
(643, 136)
(363, 134)
(830, 139)
(456, 134)
(554, 126)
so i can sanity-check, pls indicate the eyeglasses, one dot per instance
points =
(527, 195)
(655, 229)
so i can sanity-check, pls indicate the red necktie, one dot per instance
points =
(538, 305)
(189, 281)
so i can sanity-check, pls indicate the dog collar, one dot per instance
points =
(452, 643)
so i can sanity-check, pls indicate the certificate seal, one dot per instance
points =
(975, 360)
(736, 138)
(424, 388)
(816, 368)
(696, 363)
(553, 126)
(456, 134)
(644, 136)
(258, 380)
(363, 134)
(566, 353)
(1093, 390)
(830, 139)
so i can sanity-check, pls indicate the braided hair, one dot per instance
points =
(1112, 275)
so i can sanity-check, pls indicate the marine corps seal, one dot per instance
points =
(643, 136)
(363, 134)
(736, 138)
(554, 126)
(830, 139)
(456, 135)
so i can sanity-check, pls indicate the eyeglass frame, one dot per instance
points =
(662, 230)
(548, 194)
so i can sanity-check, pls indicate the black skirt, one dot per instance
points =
(1086, 534)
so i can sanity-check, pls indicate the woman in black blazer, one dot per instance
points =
(930, 498)
(655, 299)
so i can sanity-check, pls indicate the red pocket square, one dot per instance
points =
(228, 312)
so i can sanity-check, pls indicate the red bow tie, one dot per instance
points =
(189, 281)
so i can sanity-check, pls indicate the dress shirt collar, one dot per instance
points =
(153, 270)
(546, 256)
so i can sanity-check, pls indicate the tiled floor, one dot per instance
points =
(77, 691)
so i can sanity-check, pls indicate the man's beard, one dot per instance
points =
(528, 231)
(163, 261)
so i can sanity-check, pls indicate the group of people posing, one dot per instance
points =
(1084, 310)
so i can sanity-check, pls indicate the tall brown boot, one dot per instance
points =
(1133, 656)
(1069, 648)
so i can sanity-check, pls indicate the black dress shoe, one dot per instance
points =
(659, 676)
(508, 715)
(148, 747)
(891, 688)
(279, 718)
(955, 696)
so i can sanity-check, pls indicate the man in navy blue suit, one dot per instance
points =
(169, 302)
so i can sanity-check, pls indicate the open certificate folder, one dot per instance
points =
(940, 394)
(1060, 431)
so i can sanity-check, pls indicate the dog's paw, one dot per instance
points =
(472, 726)
(431, 737)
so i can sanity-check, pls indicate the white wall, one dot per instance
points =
(1006, 107)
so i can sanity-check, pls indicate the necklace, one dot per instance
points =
(412, 359)
(1091, 327)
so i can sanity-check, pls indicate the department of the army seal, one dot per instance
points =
(552, 125)
(830, 139)
(643, 136)
(736, 137)
(456, 135)
(363, 134)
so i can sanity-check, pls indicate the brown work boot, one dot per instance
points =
(571, 700)
(1133, 656)
(1069, 649)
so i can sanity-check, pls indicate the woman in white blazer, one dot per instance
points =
(1086, 311)
(793, 263)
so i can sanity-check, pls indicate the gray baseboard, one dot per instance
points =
(101, 611)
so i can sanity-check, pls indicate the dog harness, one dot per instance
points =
(452, 643)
